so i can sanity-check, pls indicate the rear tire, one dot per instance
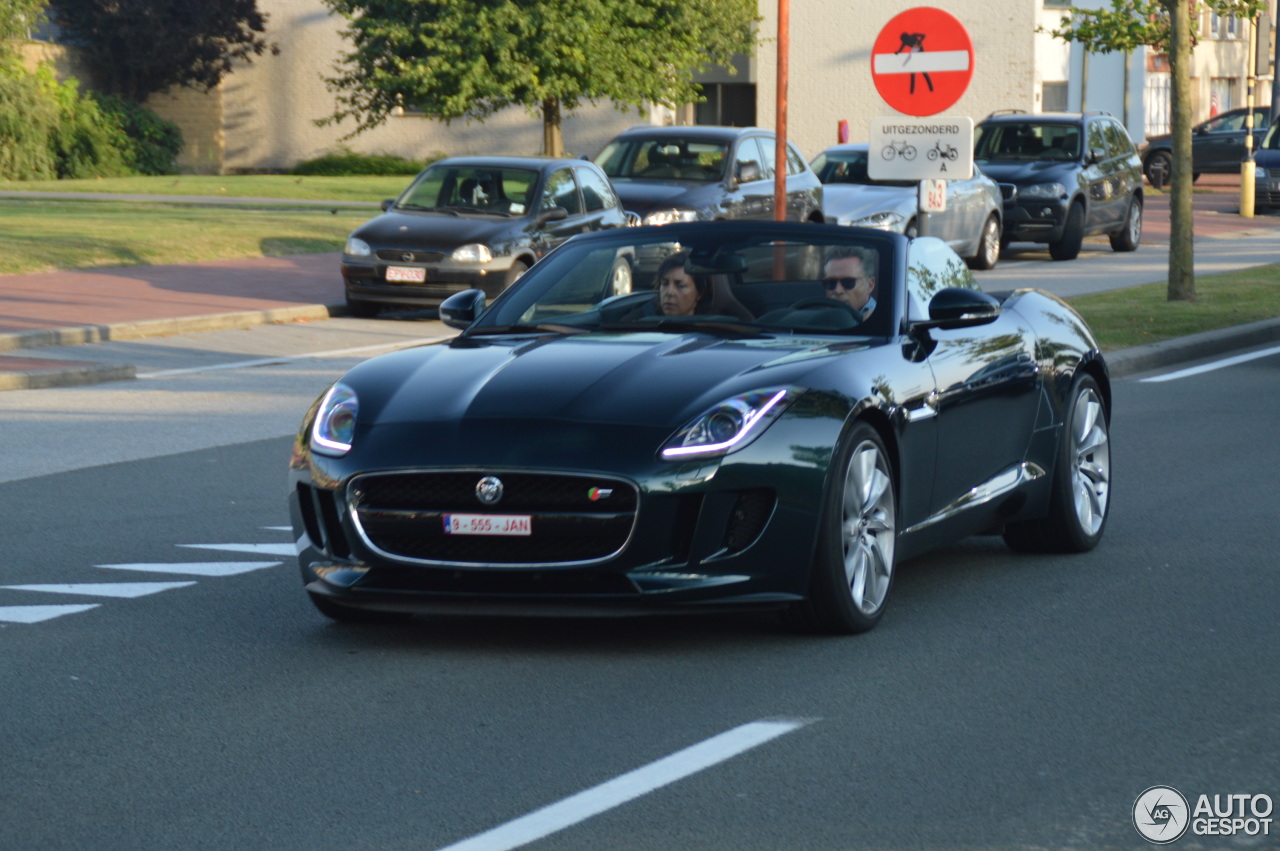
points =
(1130, 235)
(1081, 488)
(988, 246)
(1068, 248)
(854, 558)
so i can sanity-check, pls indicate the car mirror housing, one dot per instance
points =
(461, 309)
(552, 214)
(958, 307)
(387, 204)
(748, 172)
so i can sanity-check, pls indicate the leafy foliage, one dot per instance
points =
(151, 145)
(138, 47)
(468, 59)
(17, 18)
(345, 161)
(1130, 24)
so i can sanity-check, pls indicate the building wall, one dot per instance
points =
(829, 65)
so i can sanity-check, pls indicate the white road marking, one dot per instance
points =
(261, 549)
(1209, 367)
(196, 568)
(36, 614)
(104, 589)
(278, 528)
(620, 790)
(248, 364)
(921, 62)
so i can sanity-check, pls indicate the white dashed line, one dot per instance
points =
(36, 614)
(1209, 367)
(195, 568)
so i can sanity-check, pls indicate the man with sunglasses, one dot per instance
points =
(849, 275)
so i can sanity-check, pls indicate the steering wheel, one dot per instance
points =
(822, 301)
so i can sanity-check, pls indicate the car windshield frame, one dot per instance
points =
(761, 279)
(695, 158)
(489, 189)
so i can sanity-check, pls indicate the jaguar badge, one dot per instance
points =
(489, 490)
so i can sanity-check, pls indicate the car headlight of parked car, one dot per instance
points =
(881, 221)
(1044, 190)
(357, 247)
(670, 217)
(335, 424)
(730, 425)
(472, 252)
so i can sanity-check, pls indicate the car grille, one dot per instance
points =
(400, 255)
(1009, 192)
(573, 518)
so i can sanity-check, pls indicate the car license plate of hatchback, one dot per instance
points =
(488, 524)
(406, 274)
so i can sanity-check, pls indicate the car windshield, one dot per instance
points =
(1027, 140)
(834, 167)
(471, 189)
(664, 158)
(722, 278)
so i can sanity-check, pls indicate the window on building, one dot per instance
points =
(728, 104)
(1053, 97)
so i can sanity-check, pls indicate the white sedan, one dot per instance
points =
(971, 224)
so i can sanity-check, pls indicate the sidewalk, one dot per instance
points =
(77, 307)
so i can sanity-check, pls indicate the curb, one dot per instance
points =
(1182, 349)
(70, 376)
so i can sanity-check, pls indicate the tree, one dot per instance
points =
(1165, 26)
(468, 59)
(136, 48)
(17, 19)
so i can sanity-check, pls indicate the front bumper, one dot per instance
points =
(1034, 220)
(366, 280)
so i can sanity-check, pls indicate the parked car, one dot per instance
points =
(702, 173)
(1217, 146)
(576, 452)
(970, 224)
(1267, 171)
(1063, 176)
(474, 222)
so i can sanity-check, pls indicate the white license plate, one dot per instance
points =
(488, 524)
(406, 274)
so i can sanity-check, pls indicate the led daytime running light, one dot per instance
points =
(747, 424)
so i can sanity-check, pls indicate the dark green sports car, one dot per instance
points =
(775, 420)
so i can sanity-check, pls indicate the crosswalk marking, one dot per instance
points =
(196, 568)
(36, 614)
(104, 589)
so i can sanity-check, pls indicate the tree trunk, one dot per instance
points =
(552, 140)
(1182, 282)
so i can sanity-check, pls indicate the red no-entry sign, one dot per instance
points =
(922, 61)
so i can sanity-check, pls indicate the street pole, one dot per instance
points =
(1248, 168)
(780, 131)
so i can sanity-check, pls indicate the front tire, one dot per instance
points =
(988, 246)
(1081, 495)
(1159, 167)
(1127, 239)
(517, 269)
(621, 277)
(1068, 248)
(857, 536)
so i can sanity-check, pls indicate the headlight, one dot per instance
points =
(1260, 173)
(357, 247)
(882, 221)
(335, 425)
(670, 217)
(472, 253)
(1043, 190)
(729, 425)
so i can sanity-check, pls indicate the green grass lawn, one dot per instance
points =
(40, 236)
(1139, 315)
(308, 188)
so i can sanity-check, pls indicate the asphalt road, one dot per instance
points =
(1006, 701)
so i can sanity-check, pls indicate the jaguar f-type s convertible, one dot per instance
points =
(774, 419)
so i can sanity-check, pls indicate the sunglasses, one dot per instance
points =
(846, 283)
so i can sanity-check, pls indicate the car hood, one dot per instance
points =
(853, 202)
(422, 229)
(1023, 172)
(649, 379)
(645, 196)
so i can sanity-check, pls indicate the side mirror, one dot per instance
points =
(748, 172)
(461, 309)
(957, 307)
(1096, 155)
(552, 214)
(388, 203)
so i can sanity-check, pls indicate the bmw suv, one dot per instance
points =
(1063, 176)
(704, 173)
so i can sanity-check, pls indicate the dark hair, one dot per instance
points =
(702, 282)
(868, 256)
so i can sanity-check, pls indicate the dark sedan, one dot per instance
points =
(475, 223)
(699, 174)
(829, 402)
(1217, 145)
